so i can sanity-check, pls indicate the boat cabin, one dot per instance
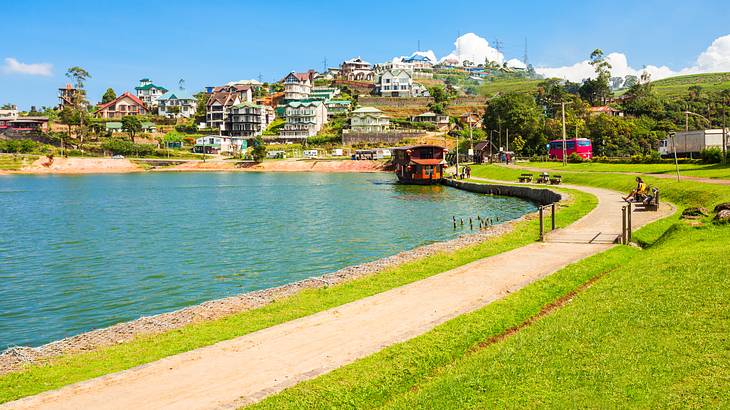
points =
(419, 164)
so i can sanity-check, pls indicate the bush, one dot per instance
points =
(711, 155)
(574, 158)
(19, 146)
(119, 146)
(324, 140)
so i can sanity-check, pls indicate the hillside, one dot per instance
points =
(677, 86)
(501, 86)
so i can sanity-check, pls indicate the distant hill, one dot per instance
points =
(677, 86)
(490, 88)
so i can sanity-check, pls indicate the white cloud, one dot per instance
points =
(428, 54)
(515, 63)
(715, 58)
(475, 49)
(13, 66)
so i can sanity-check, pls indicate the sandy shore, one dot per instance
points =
(79, 165)
(14, 358)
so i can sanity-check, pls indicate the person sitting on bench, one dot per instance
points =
(639, 193)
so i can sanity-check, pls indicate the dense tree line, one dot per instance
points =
(532, 119)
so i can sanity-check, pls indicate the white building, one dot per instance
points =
(356, 69)
(176, 104)
(369, 119)
(303, 119)
(298, 86)
(691, 143)
(396, 83)
(148, 92)
(219, 144)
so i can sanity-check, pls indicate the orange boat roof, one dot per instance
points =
(431, 161)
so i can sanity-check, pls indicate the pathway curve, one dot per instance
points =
(251, 367)
(715, 181)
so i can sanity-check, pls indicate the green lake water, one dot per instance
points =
(83, 252)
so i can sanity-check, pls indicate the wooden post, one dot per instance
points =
(542, 225)
(552, 215)
(629, 222)
(471, 227)
(623, 225)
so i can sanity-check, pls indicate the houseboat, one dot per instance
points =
(419, 164)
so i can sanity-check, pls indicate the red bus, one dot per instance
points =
(580, 146)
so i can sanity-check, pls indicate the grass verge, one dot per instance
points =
(73, 368)
(652, 332)
(696, 170)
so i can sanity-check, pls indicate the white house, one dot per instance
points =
(219, 144)
(440, 121)
(298, 86)
(148, 92)
(303, 119)
(356, 69)
(369, 119)
(176, 104)
(396, 83)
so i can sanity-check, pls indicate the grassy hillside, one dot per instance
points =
(490, 88)
(677, 86)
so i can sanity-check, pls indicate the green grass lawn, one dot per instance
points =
(78, 367)
(502, 86)
(695, 170)
(12, 162)
(652, 331)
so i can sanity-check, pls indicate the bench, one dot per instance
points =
(555, 180)
(543, 178)
(525, 178)
(651, 201)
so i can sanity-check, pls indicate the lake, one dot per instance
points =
(83, 252)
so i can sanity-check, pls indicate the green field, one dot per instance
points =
(695, 170)
(491, 88)
(84, 366)
(13, 162)
(650, 331)
(677, 86)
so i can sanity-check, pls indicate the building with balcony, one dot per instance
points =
(125, 104)
(220, 100)
(176, 104)
(356, 69)
(298, 86)
(248, 119)
(67, 97)
(369, 119)
(440, 121)
(148, 92)
(303, 119)
(396, 83)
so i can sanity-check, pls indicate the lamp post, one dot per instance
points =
(674, 146)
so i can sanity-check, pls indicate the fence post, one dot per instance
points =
(552, 214)
(629, 223)
(542, 225)
(623, 225)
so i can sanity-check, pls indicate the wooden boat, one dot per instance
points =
(419, 164)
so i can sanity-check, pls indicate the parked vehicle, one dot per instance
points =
(310, 153)
(691, 143)
(580, 146)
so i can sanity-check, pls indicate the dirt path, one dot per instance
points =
(662, 176)
(251, 367)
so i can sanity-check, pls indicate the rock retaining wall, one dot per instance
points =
(541, 196)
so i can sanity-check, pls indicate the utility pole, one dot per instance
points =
(674, 146)
(457, 155)
(565, 151)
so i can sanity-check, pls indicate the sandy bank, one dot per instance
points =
(76, 165)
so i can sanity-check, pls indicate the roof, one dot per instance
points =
(247, 104)
(176, 95)
(603, 108)
(418, 146)
(363, 110)
(339, 102)
(356, 60)
(149, 86)
(126, 94)
(427, 114)
(295, 104)
(479, 146)
(223, 98)
(430, 161)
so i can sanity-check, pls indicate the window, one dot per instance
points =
(584, 143)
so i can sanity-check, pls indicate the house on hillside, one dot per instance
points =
(176, 104)
(369, 119)
(471, 119)
(248, 119)
(298, 86)
(605, 109)
(337, 107)
(68, 95)
(356, 69)
(218, 144)
(395, 83)
(123, 105)
(220, 101)
(11, 120)
(440, 121)
(149, 92)
(303, 119)
(422, 66)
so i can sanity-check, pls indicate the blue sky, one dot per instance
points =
(213, 42)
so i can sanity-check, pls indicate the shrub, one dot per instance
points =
(711, 155)
(324, 140)
(119, 146)
(574, 158)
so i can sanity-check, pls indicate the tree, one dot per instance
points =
(518, 113)
(7, 107)
(132, 125)
(79, 75)
(597, 90)
(109, 95)
(259, 149)
(440, 99)
(695, 91)
(630, 81)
